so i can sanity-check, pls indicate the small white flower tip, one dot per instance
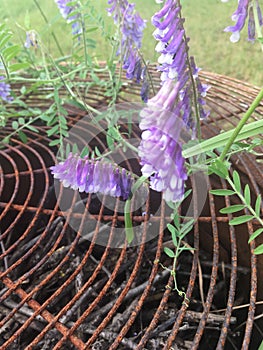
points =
(235, 37)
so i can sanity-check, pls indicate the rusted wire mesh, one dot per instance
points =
(60, 290)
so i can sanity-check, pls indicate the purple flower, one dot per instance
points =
(244, 10)
(66, 11)
(31, 39)
(174, 63)
(5, 90)
(93, 176)
(172, 107)
(160, 150)
(132, 26)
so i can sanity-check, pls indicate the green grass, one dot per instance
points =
(205, 21)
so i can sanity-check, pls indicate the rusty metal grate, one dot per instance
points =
(59, 290)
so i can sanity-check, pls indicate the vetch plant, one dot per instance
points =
(179, 103)
(69, 11)
(130, 27)
(178, 232)
(5, 90)
(247, 9)
(93, 176)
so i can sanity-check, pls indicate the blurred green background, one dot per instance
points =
(205, 21)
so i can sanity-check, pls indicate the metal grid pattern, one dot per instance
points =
(58, 290)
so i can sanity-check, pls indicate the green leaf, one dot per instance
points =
(56, 96)
(236, 180)
(6, 139)
(110, 142)
(54, 142)
(249, 130)
(219, 168)
(21, 120)
(186, 248)
(171, 228)
(261, 345)
(241, 220)
(257, 205)
(18, 66)
(174, 239)
(22, 136)
(23, 90)
(4, 39)
(51, 120)
(169, 252)
(62, 110)
(177, 222)
(84, 152)
(76, 104)
(53, 130)
(91, 29)
(45, 117)
(32, 128)
(187, 193)
(67, 149)
(64, 133)
(75, 149)
(10, 52)
(15, 125)
(232, 209)
(222, 192)
(97, 152)
(259, 250)
(183, 234)
(62, 119)
(255, 234)
(247, 195)
(174, 233)
(187, 227)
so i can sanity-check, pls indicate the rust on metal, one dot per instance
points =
(60, 290)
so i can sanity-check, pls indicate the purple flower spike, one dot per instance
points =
(65, 11)
(93, 176)
(162, 160)
(172, 107)
(132, 26)
(244, 11)
(5, 90)
(174, 63)
(160, 150)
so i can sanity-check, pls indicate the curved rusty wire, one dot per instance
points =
(228, 99)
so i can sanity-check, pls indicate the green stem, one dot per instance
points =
(82, 23)
(148, 72)
(128, 221)
(127, 209)
(44, 61)
(241, 124)
(47, 81)
(47, 22)
(32, 121)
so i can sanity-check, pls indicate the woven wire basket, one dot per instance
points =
(61, 291)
